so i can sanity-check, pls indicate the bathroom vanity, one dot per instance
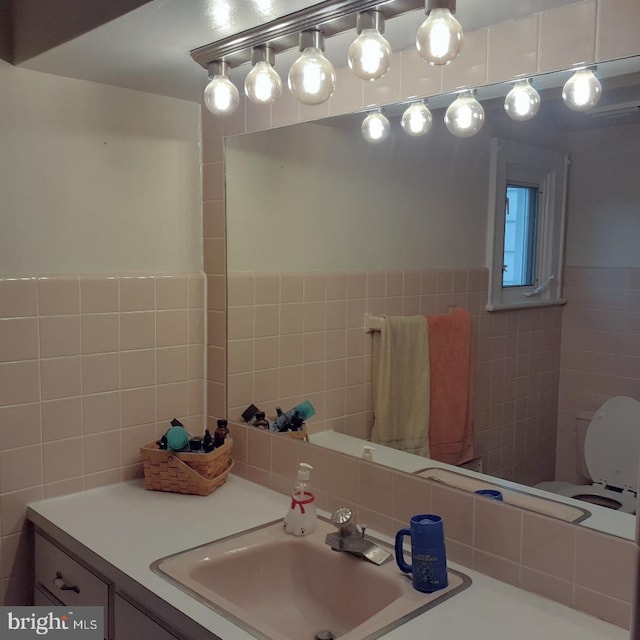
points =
(105, 540)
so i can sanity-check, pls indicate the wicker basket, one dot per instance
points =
(195, 473)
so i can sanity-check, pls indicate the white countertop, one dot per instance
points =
(130, 528)
(615, 523)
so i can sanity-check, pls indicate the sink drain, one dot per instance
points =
(324, 635)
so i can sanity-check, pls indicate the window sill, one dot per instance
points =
(526, 304)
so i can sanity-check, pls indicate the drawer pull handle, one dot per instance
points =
(60, 583)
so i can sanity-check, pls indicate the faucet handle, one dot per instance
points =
(342, 518)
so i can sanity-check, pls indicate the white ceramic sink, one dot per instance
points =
(283, 587)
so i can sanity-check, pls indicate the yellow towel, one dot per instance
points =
(401, 384)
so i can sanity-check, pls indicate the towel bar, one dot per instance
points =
(374, 323)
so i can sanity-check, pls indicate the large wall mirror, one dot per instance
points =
(324, 227)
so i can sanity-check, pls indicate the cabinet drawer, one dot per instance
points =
(132, 624)
(42, 598)
(67, 580)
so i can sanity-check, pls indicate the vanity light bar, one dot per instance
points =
(335, 16)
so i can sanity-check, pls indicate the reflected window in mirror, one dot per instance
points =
(520, 225)
(526, 225)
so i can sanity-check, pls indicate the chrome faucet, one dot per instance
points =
(348, 537)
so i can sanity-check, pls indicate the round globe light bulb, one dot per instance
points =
(369, 55)
(465, 116)
(582, 90)
(417, 119)
(522, 102)
(375, 127)
(263, 84)
(221, 96)
(312, 78)
(439, 38)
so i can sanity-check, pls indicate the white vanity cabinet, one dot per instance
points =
(62, 578)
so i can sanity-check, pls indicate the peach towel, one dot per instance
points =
(450, 419)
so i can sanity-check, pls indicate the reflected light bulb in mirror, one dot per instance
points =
(465, 116)
(582, 90)
(375, 127)
(417, 119)
(221, 96)
(439, 38)
(369, 55)
(263, 84)
(312, 78)
(522, 102)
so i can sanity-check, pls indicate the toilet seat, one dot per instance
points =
(611, 451)
(596, 494)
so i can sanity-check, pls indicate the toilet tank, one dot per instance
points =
(583, 419)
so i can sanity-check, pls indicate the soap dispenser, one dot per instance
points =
(301, 517)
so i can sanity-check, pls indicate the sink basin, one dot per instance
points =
(283, 587)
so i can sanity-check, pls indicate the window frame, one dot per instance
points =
(546, 169)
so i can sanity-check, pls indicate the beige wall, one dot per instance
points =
(603, 225)
(100, 185)
(96, 178)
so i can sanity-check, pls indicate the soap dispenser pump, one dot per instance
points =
(301, 517)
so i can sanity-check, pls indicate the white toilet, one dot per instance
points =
(611, 457)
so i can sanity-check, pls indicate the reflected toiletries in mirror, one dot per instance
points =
(324, 227)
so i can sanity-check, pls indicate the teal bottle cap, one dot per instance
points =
(177, 438)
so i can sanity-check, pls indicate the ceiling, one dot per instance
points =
(147, 48)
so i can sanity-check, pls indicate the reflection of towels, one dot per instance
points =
(450, 421)
(401, 384)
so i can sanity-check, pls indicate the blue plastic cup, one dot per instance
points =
(493, 494)
(428, 566)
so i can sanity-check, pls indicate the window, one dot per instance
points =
(526, 225)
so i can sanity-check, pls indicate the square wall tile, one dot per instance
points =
(258, 116)
(100, 372)
(137, 368)
(99, 295)
(20, 468)
(418, 78)
(172, 328)
(348, 94)
(19, 382)
(567, 36)
(62, 460)
(58, 296)
(138, 406)
(172, 401)
(60, 377)
(137, 330)
(101, 412)
(497, 529)
(61, 419)
(520, 39)
(100, 333)
(470, 68)
(60, 336)
(618, 27)
(285, 111)
(385, 90)
(172, 292)
(18, 297)
(216, 292)
(213, 181)
(18, 339)
(137, 293)
(548, 545)
(101, 452)
(605, 564)
(25, 425)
